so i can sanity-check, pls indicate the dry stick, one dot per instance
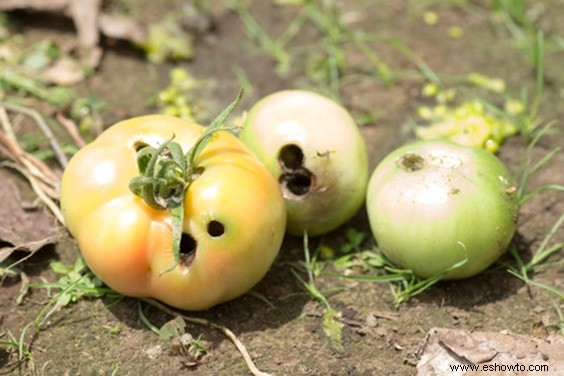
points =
(71, 128)
(43, 126)
(203, 322)
(43, 175)
(5, 120)
(40, 177)
(33, 165)
(385, 315)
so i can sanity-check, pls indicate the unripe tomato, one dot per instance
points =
(315, 150)
(433, 204)
(234, 216)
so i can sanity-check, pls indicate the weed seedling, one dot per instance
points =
(324, 62)
(539, 261)
(540, 258)
(11, 344)
(332, 326)
(404, 284)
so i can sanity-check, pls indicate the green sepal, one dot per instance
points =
(144, 156)
(177, 214)
(216, 125)
(177, 155)
(145, 187)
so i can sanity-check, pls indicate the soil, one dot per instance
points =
(286, 336)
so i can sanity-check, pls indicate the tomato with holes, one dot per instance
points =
(313, 147)
(442, 209)
(233, 217)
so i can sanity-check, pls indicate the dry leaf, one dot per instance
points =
(65, 71)
(455, 352)
(22, 229)
(119, 27)
(88, 21)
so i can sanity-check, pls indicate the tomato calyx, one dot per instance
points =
(166, 173)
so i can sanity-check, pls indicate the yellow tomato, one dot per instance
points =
(233, 227)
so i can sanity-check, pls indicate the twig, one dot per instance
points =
(10, 147)
(36, 168)
(384, 315)
(226, 331)
(42, 126)
(42, 180)
(70, 126)
(6, 124)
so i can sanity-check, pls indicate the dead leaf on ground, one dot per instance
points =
(89, 23)
(20, 228)
(42, 179)
(64, 71)
(446, 349)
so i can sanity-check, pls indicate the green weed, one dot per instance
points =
(355, 263)
(21, 68)
(539, 261)
(325, 61)
(11, 344)
(374, 267)
(560, 318)
(76, 282)
(528, 168)
(175, 332)
(518, 21)
(331, 324)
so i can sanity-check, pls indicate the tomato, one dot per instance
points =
(315, 150)
(435, 204)
(232, 229)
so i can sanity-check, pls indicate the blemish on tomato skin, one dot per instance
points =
(509, 191)
(411, 162)
(446, 161)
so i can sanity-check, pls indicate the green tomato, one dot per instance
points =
(434, 204)
(315, 150)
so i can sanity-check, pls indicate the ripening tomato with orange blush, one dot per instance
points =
(232, 223)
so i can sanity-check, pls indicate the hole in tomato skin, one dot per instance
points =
(138, 145)
(411, 162)
(291, 157)
(216, 229)
(187, 249)
(297, 182)
(197, 172)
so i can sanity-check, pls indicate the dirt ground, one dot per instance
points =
(286, 337)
